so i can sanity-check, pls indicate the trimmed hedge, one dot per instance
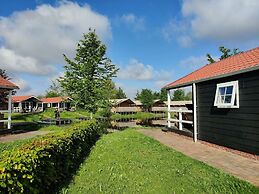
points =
(42, 165)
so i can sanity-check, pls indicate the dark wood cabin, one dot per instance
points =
(25, 104)
(62, 102)
(125, 105)
(226, 95)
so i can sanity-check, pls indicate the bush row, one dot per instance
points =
(42, 165)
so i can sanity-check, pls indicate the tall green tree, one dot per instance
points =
(178, 95)
(146, 97)
(137, 95)
(225, 53)
(163, 94)
(156, 95)
(87, 78)
(120, 93)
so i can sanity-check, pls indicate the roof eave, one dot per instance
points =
(254, 68)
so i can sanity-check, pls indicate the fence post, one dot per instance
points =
(180, 119)
(9, 109)
(168, 109)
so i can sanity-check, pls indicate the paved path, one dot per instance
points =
(239, 166)
(14, 137)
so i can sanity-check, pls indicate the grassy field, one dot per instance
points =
(129, 162)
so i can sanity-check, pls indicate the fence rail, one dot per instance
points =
(180, 119)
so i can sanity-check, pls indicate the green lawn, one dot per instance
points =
(129, 162)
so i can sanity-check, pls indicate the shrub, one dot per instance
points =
(42, 165)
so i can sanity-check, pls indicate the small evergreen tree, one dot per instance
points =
(120, 93)
(225, 53)
(87, 77)
(163, 94)
(137, 95)
(146, 97)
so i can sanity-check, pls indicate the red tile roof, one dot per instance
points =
(7, 84)
(242, 62)
(22, 98)
(54, 99)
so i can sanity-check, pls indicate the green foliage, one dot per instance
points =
(129, 162)
(43, 164)
(163, 95)
(137, 95)
(51, 93)
(120, 94)
(178, 95)
(54, 90)
(225, 53)
(87, 77)
(188, 96)
(3, 74)
(147, 98)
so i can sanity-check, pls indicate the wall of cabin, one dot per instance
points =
(235, 128)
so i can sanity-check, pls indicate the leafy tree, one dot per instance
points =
(120, 93)
(137, 95)
(188, 96)
(3, 74)
(51, 93)
(54, 90)
(178, 95)
(146, 97)
(225, 54)
(163, 94)
(156, 95)
(89, 73)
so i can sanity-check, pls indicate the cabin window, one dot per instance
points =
(227, 95)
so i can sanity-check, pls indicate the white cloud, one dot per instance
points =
(177, 30)
(13, 62)
(193, 62)
(32, 40)
(136, 70)
(24, 87)
(221, 19)
(134, 22)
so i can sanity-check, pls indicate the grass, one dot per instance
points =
(129, 162)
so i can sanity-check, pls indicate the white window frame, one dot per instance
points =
(234, 97)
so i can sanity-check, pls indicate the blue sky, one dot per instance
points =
(153, 42)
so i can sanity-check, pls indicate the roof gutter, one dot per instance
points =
(254, 68)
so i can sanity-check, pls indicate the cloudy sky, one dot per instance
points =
(153, 42)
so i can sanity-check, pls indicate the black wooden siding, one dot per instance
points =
(235, 128)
